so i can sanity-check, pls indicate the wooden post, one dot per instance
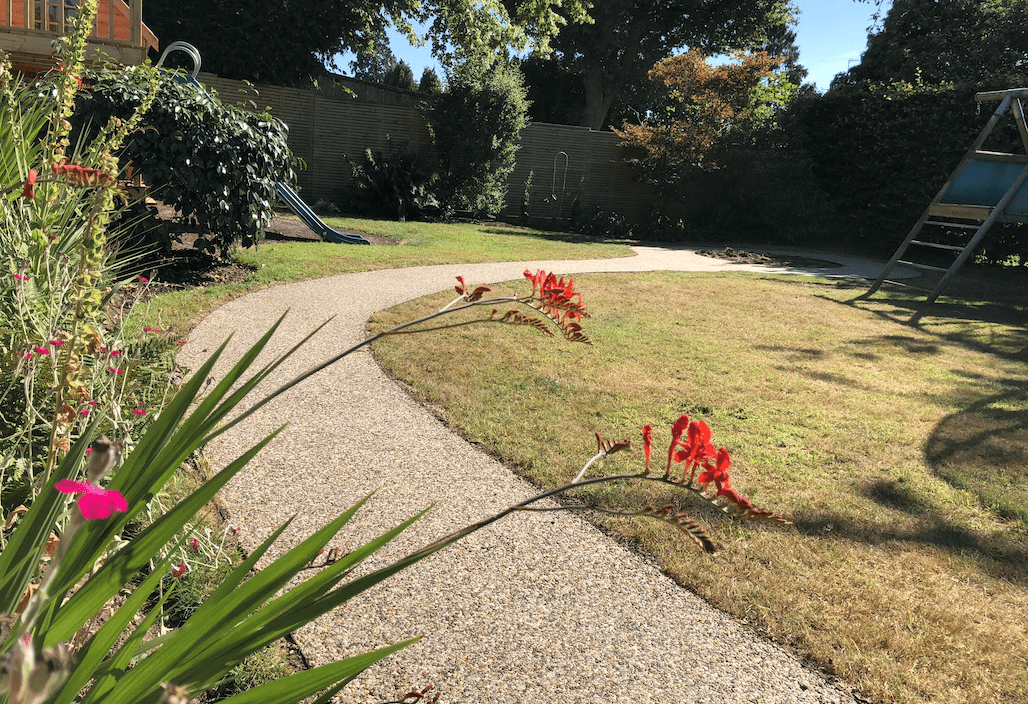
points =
(136, 22)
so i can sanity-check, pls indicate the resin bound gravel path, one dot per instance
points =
(539, 607)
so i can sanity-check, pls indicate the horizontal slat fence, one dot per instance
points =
(327, 125)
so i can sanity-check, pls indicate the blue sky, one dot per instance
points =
(831, 36)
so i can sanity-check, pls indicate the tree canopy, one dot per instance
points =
(611, 56)
(701, 106)
(372, 62)
(287, 42)
(955, 41)
(400, 76)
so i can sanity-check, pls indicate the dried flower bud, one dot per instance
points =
(49, 674)
(102, 459)
(173, 694)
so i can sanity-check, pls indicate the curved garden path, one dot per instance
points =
(536, 608)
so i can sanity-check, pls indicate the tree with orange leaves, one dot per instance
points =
(698, 107)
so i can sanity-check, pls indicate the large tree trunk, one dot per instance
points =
(597, 102)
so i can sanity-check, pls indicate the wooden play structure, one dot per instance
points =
(28, 28)
(986, 187)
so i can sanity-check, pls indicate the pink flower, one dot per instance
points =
(88, 450)
(115, 353)
(27, 355)
(139, 411)
(19, 277)
(95, 503)
(149, 329)
(30, 185)
(179, 570)
(115, 370)
(196, 545)
(57, 343)
(41, 350)
(181, 342)
(84, 412)
(143, 279)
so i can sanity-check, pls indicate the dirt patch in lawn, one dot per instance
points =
(190, 267)
(743, 256)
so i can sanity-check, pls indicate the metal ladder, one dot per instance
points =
(950, 210)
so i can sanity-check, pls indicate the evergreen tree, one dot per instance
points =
(430, 82)
(400, 76)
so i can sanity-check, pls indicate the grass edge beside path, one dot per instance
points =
(418, 244)
(906, 573)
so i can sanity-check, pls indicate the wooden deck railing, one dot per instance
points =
(117, 21)
(27, 27)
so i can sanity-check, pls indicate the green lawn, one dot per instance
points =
(897, 446)
(417, 244)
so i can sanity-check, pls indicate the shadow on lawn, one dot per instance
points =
(570, 237)
(984, 449)
(997, 555)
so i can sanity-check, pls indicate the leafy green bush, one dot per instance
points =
(476, 124)
(216, 164)
(765, 191)
(881, 153)
(395, 183)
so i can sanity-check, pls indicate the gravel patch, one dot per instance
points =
(537, 607)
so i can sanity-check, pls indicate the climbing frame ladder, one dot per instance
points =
(986, 187)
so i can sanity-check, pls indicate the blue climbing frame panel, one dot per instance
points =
(985, 188)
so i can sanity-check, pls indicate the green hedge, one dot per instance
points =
(213, 162)
(882, 153)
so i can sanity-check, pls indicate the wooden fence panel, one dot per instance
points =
(328, 126)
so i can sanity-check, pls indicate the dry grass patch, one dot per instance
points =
(897, 448)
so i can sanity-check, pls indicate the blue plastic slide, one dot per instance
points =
(291, 197)
(294, 201)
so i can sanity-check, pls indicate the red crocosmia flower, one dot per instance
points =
(95, 503)
(717, 473)
(647, 441)
(696, 450)
(733, 497)
(677, 430)
(30, 185)
(459, 288)
(81, 176)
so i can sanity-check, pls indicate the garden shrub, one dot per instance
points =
(216, 164)
(881, 153)
(397, 182)
(475, 125)
(766, 191)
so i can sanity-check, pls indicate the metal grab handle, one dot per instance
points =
(187, 48)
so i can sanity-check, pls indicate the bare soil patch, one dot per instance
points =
(743, 256)
(190, 267)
